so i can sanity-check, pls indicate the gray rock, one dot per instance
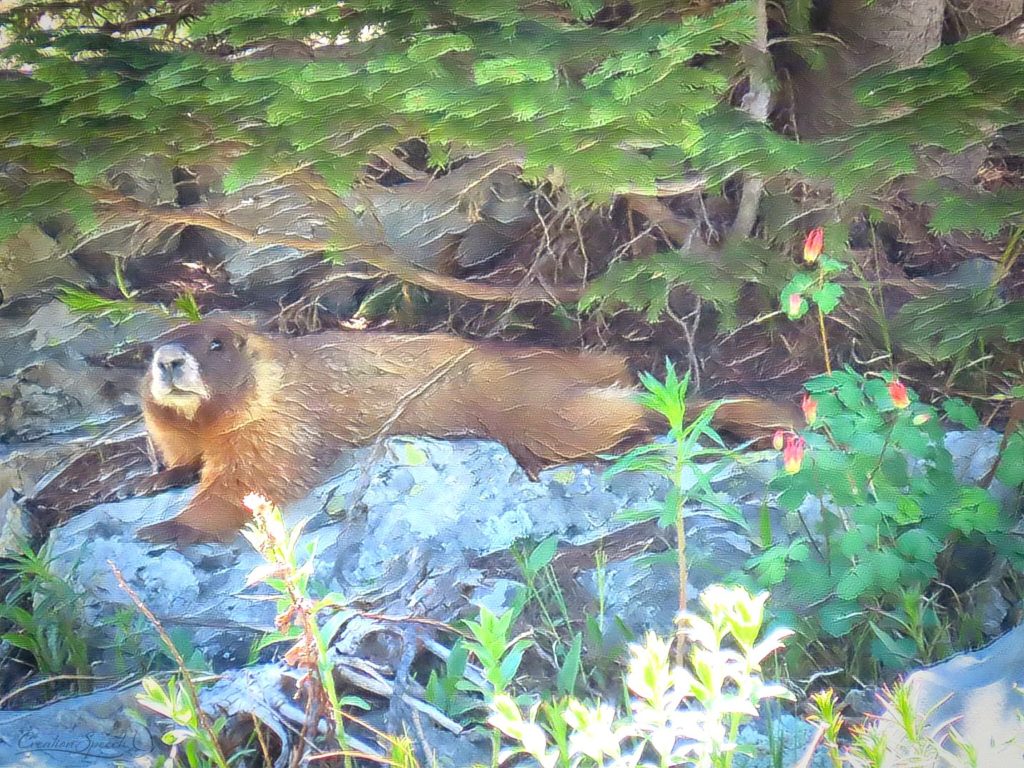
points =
(51, 397)
(14, 525)
(429, 510)
(426, 509)
(778, 734)
(84, 731)
(980, 695)
(31, 261)
(255, 269)
(469, 215)
(427, 513)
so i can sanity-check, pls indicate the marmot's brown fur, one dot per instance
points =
(269, 414)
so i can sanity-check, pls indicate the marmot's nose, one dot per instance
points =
(169, 360)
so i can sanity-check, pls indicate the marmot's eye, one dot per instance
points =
(216, 345)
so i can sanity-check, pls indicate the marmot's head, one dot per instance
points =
(201, 364)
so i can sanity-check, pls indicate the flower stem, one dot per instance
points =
(684, 577)
(824, 341)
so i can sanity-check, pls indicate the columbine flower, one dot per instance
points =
(793, 453)
(922, 418)
(778, 439)
(814, 243)
(898, 393)
(795, 303)
(810, 408)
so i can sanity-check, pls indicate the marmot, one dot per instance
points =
(267, 414)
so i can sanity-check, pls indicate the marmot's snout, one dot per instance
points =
(169, 362)
(175, 371)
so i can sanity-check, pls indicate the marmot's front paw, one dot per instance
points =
(173, 531)
(169, 532)
(175, 477)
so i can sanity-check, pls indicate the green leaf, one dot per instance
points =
(244, 171)
(908, 511)
(854, 583)
(510, 664)
(568, 673)
(830, 266)
(960, 412)
(837, 617)
(918, 545)
(542, 555)
(898, 651)
(827, 297)
(186, 304)
(1011, 465)
(88, 303)
(428, 47)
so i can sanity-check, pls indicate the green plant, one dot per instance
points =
(901, 735)
(86, 302)
(443, 688)
(127, 641)
(882, 509)
(677, 460)
(196, 736)
(814, 286)
(684, 716)
(187, 306)
(298, 613)
(826, 710)
(584, 99)
(53, 630)
(498, 655)
(543, 590)
(195, 740)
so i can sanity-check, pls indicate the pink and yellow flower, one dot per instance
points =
(795, 302)
(814, 244)
(898, 393)
(778, 439)
(810, 408)
(793, 453)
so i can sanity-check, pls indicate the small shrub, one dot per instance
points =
(52, 629)
(676, 461)
(887, 511)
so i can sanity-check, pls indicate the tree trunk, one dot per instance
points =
(884, 33)
(978, 16)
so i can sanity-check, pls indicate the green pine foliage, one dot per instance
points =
(601, 108)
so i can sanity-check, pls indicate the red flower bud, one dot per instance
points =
(898, 393)
(810, 408)
(793, 453)
(814, 244)
(795, 301)
(778, 439)
(922, 418)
